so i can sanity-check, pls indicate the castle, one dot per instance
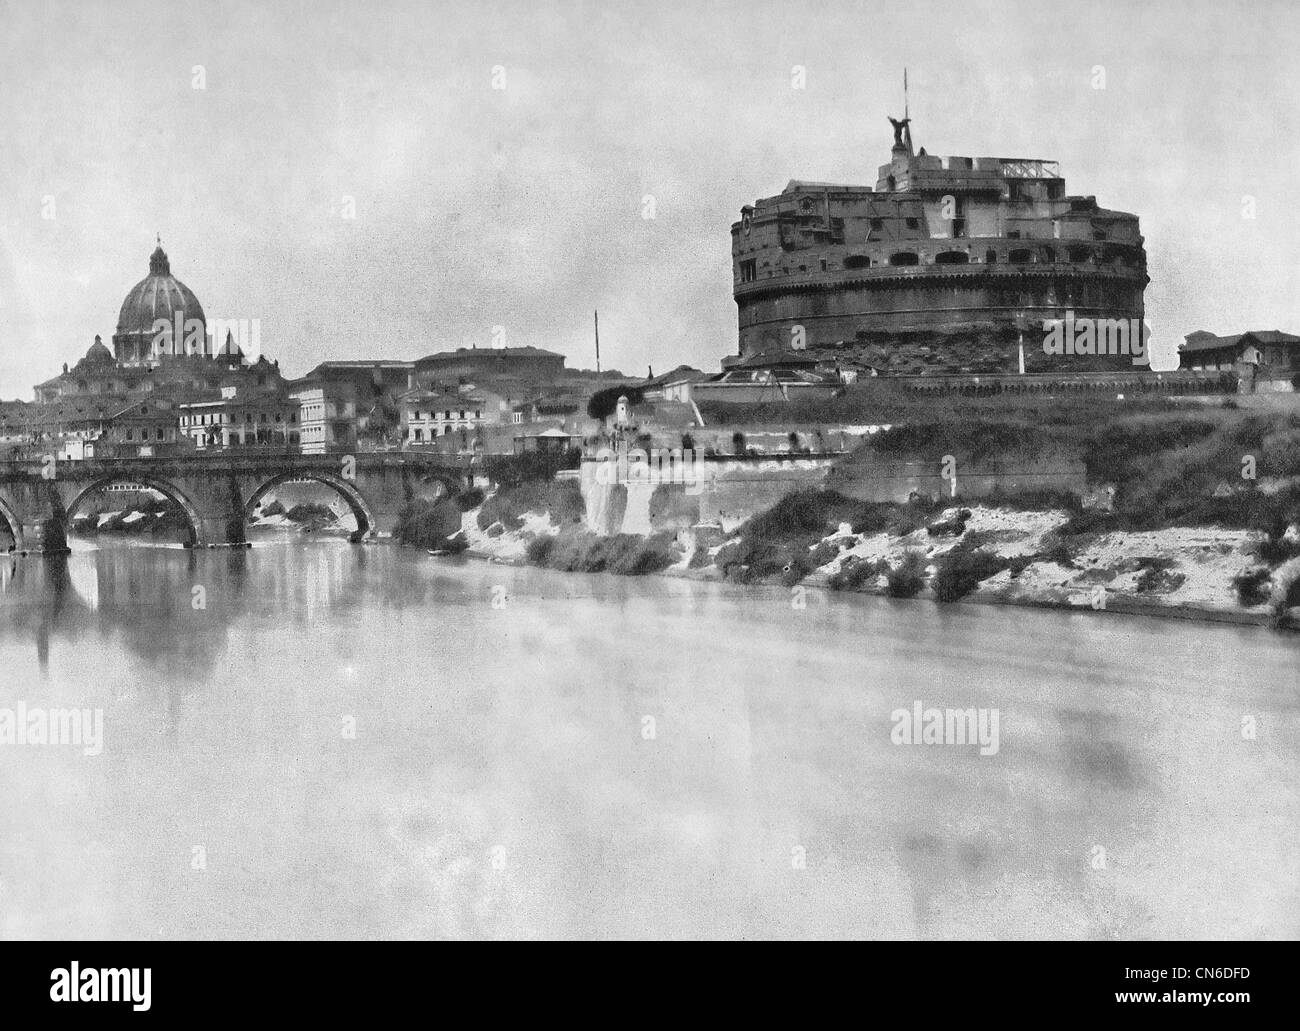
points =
(944, 267)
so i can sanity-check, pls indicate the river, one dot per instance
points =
(312, 739)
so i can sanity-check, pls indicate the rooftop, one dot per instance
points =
(1204, 341)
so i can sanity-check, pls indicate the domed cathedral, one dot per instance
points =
(161, 346)
(160, 318)
(946, 266)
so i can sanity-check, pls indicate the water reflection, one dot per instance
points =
(501, 777)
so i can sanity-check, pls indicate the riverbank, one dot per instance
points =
(1188, 573)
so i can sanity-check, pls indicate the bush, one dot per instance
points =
(954, 527)
(273, 509)
(311, 513)
(1252, 586)
(1277, 550)
(470, 499)
(857, 573)
(538, 550)
(531, 467)
(822, 554)
(430, 524)
(1059, 553)
(580, 551)
(907, 578)
(644, 555)
(746, 560)
(1286, 590)
(960, 572)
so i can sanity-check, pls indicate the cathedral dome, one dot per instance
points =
(98, 354)
(158, 296)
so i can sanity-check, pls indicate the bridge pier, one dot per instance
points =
(34, 510)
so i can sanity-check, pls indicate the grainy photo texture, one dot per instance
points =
(573, 470)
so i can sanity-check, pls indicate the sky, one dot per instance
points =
(508, 215)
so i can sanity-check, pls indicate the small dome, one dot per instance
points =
(98, 354)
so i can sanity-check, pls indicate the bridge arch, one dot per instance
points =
(167, 490)
(347, 490)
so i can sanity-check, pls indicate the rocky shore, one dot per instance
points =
(1188, 573)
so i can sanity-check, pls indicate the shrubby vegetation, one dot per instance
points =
(581, 551)
(906, 579)
(431, 524)
(561, 499)
(530, 467)
(961, 570)
(856, 573)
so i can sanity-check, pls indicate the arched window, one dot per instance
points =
(857, 261)
(952, 258)
(1021, 256)
(904, 258)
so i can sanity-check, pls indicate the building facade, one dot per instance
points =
(327, 417)
(429, 417)
(240, 418)
(940, 266)
(1265, 360)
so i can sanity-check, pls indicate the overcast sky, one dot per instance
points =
(522, 207)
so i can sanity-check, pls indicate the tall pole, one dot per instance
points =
(597, 317)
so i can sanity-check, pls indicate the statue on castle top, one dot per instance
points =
(900, 125)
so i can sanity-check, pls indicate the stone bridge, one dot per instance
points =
(218, 492)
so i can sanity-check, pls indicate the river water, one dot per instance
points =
(362, 741)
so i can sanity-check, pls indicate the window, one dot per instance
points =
(951, 258)
(904, 258)
(913, 224)
(877, 224)
(1021, 256)
(990, 257)
(857, 261)
(748, 271)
